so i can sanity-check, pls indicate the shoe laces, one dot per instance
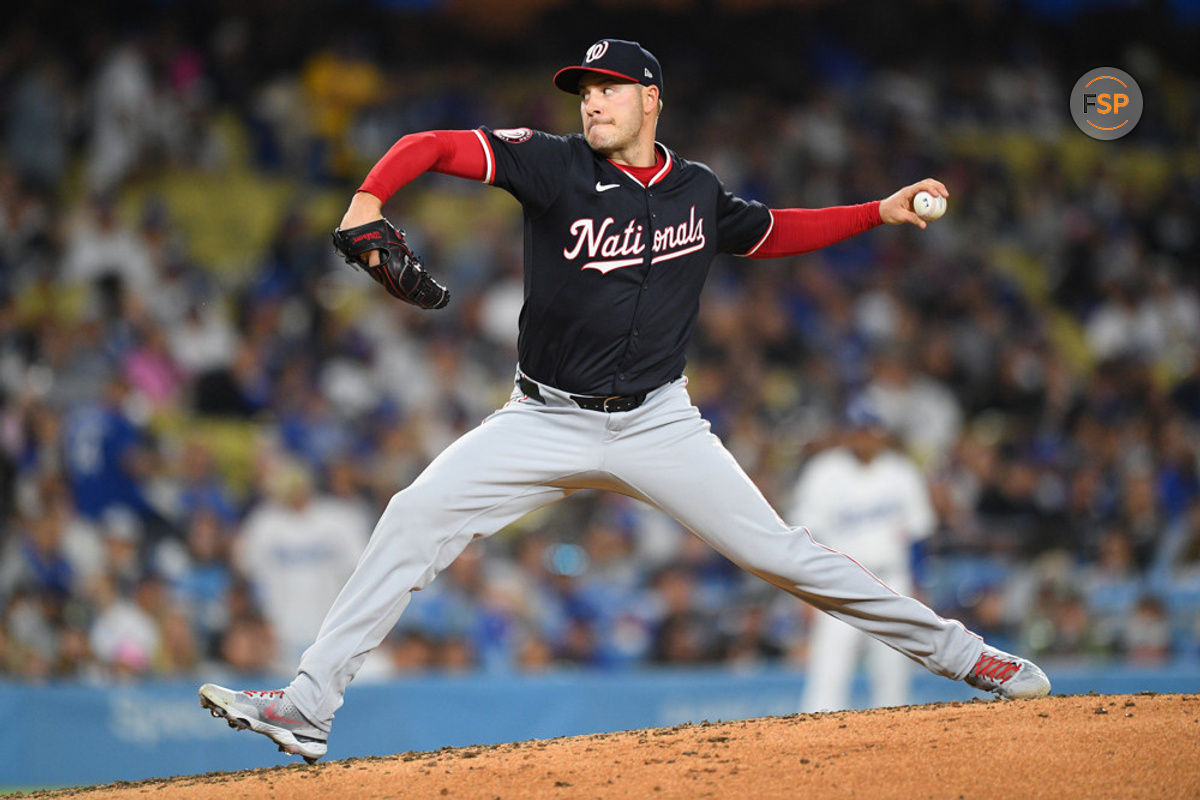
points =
(995, 667)
(264, 693)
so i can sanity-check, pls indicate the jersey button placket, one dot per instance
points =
(627, 356)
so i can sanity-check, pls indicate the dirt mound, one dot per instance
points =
(1087, 746)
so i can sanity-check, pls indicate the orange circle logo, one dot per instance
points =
(1106, 103)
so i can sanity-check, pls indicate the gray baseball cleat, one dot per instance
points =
(1009, 676)
(269, 713)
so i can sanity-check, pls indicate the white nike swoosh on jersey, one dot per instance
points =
(604, 187)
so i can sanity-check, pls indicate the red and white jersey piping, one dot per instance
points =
(765, 235)
(490, 171)
(658, 176)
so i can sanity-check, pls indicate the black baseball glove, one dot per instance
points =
(399, 270)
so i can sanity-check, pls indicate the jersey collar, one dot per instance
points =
(658, 176)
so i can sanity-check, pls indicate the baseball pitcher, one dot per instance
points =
(620, 232)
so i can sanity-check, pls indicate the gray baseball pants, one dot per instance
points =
(529, 454)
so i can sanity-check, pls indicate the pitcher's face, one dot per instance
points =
(613, 111)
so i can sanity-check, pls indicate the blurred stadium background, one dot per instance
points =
(194, 392)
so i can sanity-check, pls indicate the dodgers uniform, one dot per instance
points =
(873, 511)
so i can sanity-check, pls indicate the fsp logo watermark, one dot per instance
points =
(1106, 103)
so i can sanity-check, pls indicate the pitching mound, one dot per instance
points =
(1096, 746)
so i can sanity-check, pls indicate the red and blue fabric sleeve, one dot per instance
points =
(532, 166)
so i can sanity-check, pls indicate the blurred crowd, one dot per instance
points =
(192, 456)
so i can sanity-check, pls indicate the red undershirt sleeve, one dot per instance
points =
(802, 230)
(458, 153)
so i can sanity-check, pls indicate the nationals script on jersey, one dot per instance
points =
(606, 251)
(613, 269)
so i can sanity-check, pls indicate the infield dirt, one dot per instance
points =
(1084, 746)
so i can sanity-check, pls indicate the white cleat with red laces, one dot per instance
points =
(269, 713)
(1009, 676)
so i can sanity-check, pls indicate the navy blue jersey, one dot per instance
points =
(613, 269)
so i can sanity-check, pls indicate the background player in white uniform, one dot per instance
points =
(297, 549)
(620, 233)
(872, 503)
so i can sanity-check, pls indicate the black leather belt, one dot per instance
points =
(611, 404)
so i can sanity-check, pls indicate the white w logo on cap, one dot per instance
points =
(596, 51)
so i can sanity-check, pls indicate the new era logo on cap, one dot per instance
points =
(616, 57)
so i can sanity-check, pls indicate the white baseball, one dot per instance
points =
(928, 206)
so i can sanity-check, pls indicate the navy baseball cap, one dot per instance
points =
(616, 57)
